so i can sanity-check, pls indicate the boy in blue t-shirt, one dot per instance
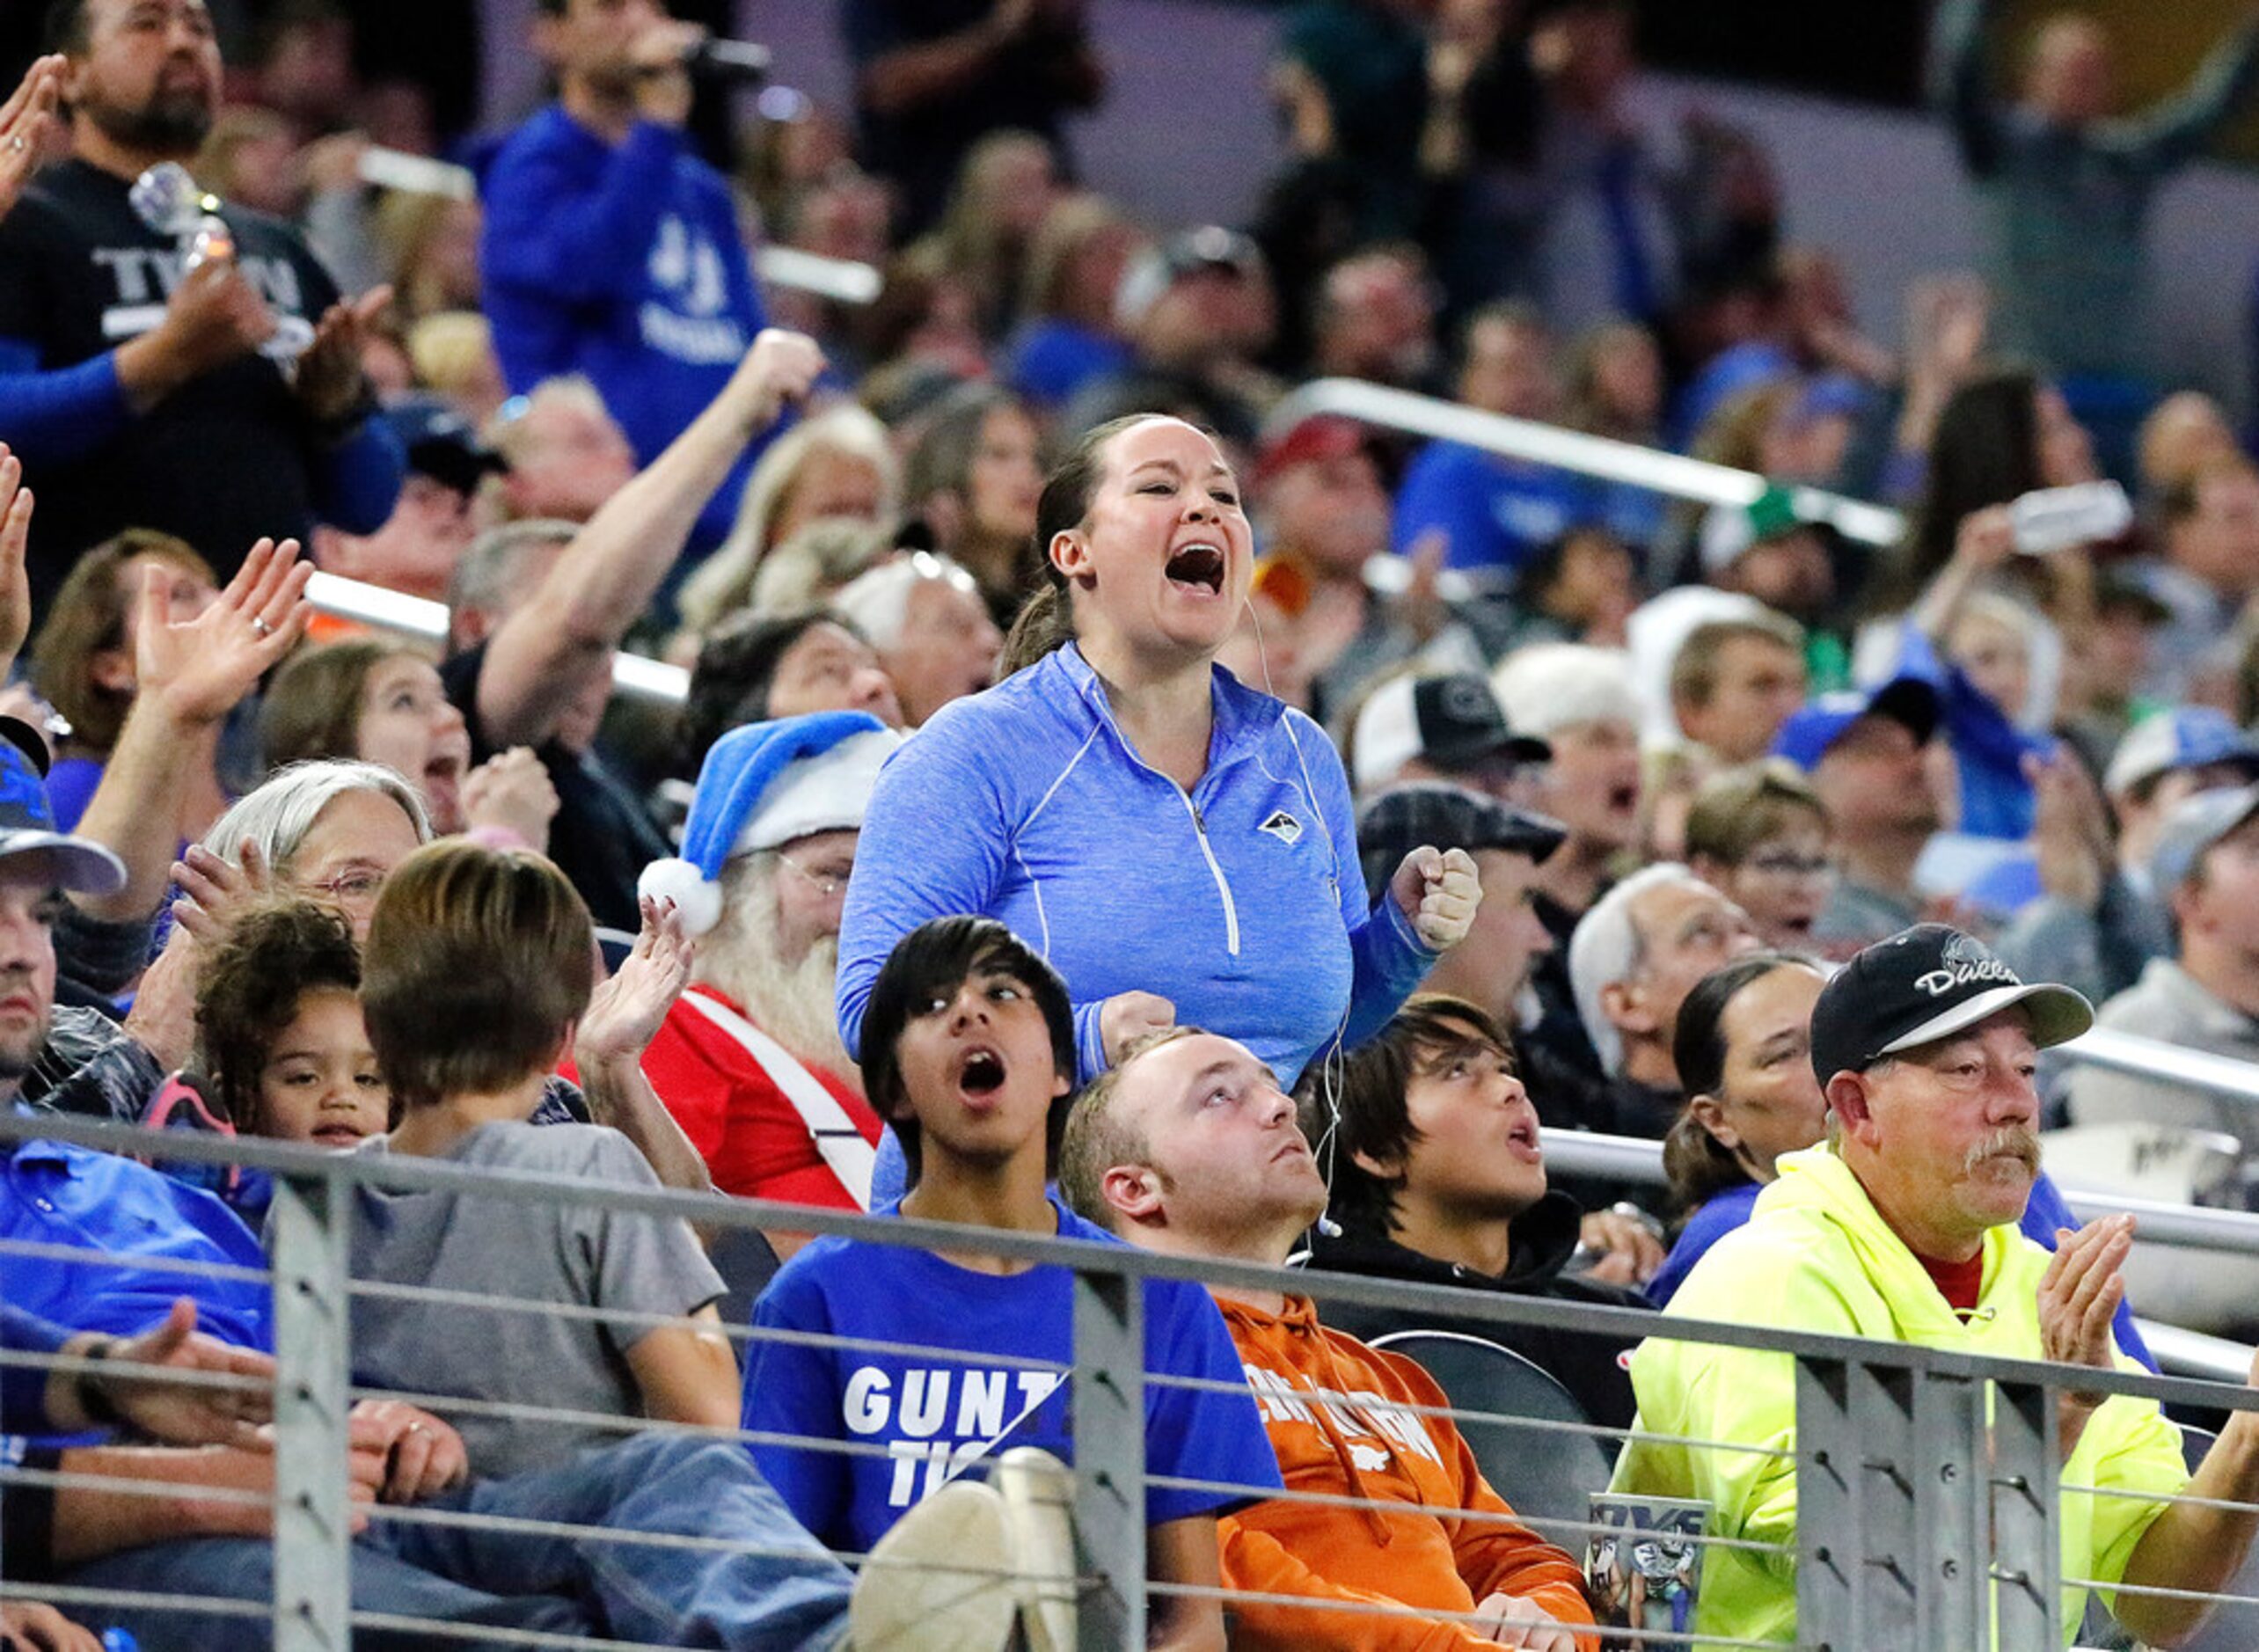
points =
(968, 1051)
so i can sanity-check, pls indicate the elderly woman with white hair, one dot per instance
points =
(332, 830)
(1580, 699)
(925, 616)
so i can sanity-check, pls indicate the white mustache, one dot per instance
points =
(2018, 1141)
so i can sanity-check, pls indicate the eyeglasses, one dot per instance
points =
(351, 887)
(828, 881)
(1778, 864)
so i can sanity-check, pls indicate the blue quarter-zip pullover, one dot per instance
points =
(1240, 902)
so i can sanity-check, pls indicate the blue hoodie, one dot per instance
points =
(626, 264)
(1241, 903)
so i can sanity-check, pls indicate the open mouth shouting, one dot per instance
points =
(1197, 568)
(1522, 1142)
(980, 1075)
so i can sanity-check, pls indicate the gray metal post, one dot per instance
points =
(1109, 1423)
(2027, 1538)
(1952, 1511)
(1858, 1555)
(309, 1240)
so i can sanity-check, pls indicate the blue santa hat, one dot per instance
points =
(763, 785)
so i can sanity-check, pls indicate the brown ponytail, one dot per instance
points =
(1046, 621)
(1699, 1166)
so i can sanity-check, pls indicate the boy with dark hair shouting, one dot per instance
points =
(969, 1051)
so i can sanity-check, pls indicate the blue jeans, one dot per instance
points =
(787, 1594)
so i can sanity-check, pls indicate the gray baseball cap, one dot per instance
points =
(2195, 825)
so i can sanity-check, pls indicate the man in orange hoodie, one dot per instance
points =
(1189, 1146)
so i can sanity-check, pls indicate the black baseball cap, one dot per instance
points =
(1453, 722)
(441, 443)
(1435, 812)
(1922, 984)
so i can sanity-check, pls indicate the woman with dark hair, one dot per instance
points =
(383, 702)
(757, 668)
(1177, 845)
(973, 479)
(1743, 1048)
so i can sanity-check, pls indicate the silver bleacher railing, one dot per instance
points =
(1928, 1482)
(1601, 458)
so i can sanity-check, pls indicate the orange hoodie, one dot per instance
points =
(1409, 1558)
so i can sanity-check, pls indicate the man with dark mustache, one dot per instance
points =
(1903, 1226)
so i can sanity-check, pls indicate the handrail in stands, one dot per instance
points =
(1601, 458)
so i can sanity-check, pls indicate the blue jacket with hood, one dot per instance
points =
(1240, 902)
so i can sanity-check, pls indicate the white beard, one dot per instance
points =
(791, 1003)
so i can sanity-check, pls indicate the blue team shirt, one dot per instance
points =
(1493, 512)
(626, 264)
(51, 1194)
(936, 1415)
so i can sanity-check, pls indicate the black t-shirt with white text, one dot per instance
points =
(224, 459)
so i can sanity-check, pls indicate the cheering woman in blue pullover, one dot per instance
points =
(1177, 844)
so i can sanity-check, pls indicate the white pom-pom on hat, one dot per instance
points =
(697, 898)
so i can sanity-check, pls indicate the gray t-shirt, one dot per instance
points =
(560, 1253)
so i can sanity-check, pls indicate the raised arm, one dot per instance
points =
(191, 676)
(623, 1017)
(1959, 81)
(892, 78)
(550, 647)
(2175, 131)
(25, 119)
(549, 238)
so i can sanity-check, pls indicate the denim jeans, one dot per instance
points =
(782, 1592)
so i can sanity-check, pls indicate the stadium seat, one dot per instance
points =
(746, 1262)
(1547, 1476)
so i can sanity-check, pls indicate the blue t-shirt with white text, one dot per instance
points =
(938, 1417)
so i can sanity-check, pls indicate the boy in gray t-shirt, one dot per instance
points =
(538, 1254)
(477, 967)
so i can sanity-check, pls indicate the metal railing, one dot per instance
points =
(1928, 1481)
(636, 677)
(1601, 458)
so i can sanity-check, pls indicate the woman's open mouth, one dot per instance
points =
(1197, 567)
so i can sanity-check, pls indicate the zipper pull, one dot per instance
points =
(1199, 821)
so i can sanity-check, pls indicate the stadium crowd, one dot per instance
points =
(1100, 806)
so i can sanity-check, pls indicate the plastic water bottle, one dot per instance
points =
(167, 199)
(210, 239)
(2051, 519)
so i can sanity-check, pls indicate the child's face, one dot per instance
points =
(320, 1082)
(979, 1071)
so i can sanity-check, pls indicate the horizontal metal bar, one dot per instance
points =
(634, 676)
(843, 279)
(2182, 1352)
(2153, 1059)
(417, 1175)
(1600, 456)
(2183, 1226)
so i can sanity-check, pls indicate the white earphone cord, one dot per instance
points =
(1329, 1077)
